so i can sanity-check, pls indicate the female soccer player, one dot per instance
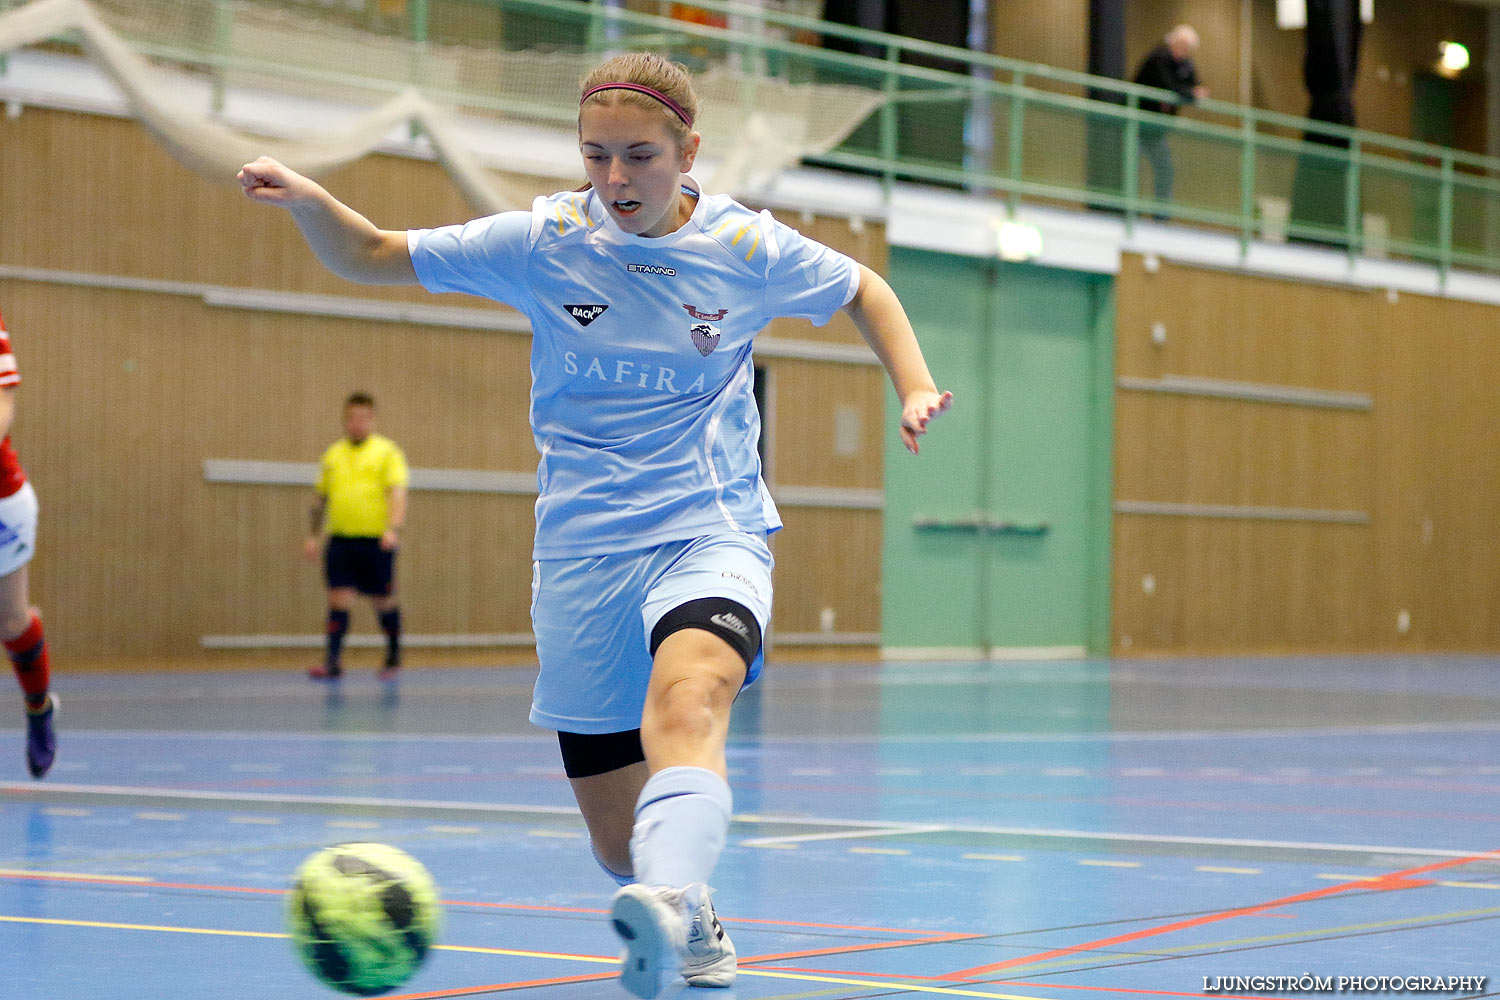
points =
(20, 626)
(651, 586)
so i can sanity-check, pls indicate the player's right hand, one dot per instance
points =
(310, 548)
(274, 183)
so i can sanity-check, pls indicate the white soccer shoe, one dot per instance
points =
(710, 958)
(668, 930)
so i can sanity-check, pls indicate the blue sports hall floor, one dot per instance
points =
(1042, 830)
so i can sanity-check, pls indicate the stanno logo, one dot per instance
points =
(670, 272)
(732, 622)
(585, 314)
(693, 312)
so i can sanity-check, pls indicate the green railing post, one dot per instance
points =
(1247, 184)
(417, 14)
(1352, 220)
(1130, 170)
(889, 123)
(417, 68)
(223, 39)
(1445, 220)
(5, 5)
(595, 30)
(1016, 141)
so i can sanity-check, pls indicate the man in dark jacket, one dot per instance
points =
(1168, 67)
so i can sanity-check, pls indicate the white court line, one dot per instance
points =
(886, 831)
(1162, 736)
(220, 735)
(847, 828)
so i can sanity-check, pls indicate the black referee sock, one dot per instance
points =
(338, 626)
(390, 623)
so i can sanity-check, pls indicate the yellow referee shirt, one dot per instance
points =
(354, 478)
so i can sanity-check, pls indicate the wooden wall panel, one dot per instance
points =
(1439, 474)
(1240, 586)
(827, 559)
(1055, 34)
(123, 206)
(808, 396)
(1235, 326)
(1418, 576)
(1176, 449)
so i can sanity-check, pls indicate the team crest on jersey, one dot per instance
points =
(711, 317)
(705, 338)
(585, 314)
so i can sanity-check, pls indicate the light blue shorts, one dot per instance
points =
(593, 616)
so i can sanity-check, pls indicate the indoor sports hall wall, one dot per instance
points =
(1302, 467)
(141, 363)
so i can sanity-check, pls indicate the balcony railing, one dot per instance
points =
(988, 125)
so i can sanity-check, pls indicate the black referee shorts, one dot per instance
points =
(359, 563)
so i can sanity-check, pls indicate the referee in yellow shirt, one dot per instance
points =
(361, 502)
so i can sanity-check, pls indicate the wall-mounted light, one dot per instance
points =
(1453, 57)
(1017, 241)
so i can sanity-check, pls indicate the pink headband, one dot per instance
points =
(672, 105)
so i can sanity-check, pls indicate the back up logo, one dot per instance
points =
(585, 314)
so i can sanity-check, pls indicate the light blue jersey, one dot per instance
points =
(642, 402)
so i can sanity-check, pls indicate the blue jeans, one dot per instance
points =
(1156, 151)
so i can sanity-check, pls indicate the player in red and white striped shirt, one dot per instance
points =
(20, 626)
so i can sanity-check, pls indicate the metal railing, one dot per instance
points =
(1002, 128)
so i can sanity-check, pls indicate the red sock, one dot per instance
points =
(28, 654)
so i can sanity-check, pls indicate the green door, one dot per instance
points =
(996, 536)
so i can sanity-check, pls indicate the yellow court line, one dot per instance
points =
(476, 950)
(135, 927)
(54, 922)
(946, 991)
(1471, 885)
(34, 873)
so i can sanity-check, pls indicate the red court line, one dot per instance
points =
(1385, 883)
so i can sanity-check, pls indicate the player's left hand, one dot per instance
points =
(390, 540)
(920, 409)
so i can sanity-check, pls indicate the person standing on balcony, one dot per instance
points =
(1168, 67)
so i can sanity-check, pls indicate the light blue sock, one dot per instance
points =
(681, 823)
(619, 877)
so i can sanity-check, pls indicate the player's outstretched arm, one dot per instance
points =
(346, 242)
(878, 314)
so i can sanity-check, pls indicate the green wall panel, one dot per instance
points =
(1028, 354)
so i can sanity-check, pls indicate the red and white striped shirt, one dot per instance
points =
(12, 478)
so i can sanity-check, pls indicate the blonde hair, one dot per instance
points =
(654, 72)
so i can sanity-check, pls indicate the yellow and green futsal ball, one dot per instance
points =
(363, 916)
